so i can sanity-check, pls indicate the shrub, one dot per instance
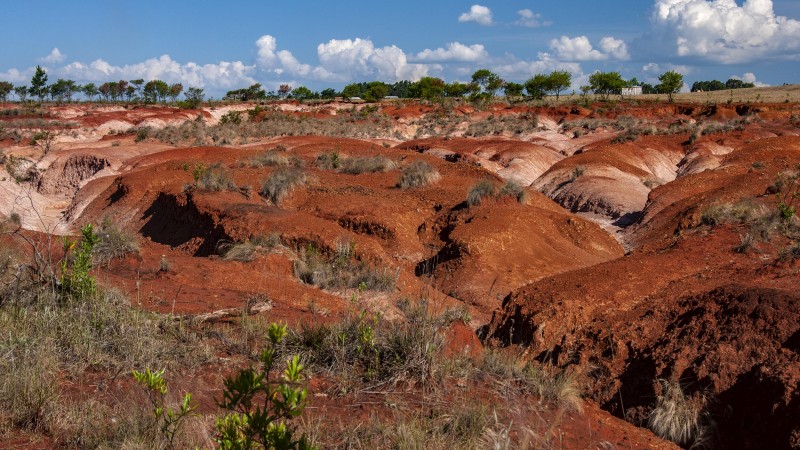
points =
(248, 250)
(678, 418)
(215, 179)
(281, 183)
(419, 173)
(480, 191)
(372, 164)
(275, 157)
(113, 242)
(262, 404)
(341, 270)
(231, 117)
(787, 186)
(374, 350)
(142, 133)
(512, 189)
(328, 161)
(740, 212)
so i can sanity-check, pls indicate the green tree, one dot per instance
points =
(155, 90)
(558, 81)
(352, 90)
(138, 85)
(487, 81)
(194, 97)
(605, 84)
(511, 89)
(105, 90)
(21, 92)
(428, 88)
(302, 93)
(375, 91)
(328, 93)
(457, 89)
(283, 90)
(537, 85)
(671, 83)
(39, 83)
(90, 90)
(5, 89)
(63, 90)
(174, 91)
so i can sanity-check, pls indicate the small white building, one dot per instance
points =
(633, 90)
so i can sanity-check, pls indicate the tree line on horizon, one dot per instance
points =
(484, 85)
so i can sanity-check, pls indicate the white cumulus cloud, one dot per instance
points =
(614, 48)
(580, 49)
(724, 32)
(478, 14)
(455, 51)
(749, 77)
(347, 59)
(530, 19)
(54, 57)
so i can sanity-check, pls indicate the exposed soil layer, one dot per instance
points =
(647, 290)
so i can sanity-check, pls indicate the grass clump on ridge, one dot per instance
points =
(341, 270)
(281, 183)
(419, 173)
(485, 189)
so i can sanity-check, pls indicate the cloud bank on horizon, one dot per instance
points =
(692, 32)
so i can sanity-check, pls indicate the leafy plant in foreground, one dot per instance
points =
(262, 404)
(169, 421)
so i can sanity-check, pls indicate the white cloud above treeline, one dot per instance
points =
(580, 49)
(724, 32)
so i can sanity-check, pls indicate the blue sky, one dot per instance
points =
(329, 44)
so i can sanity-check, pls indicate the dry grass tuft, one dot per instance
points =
(419, 173)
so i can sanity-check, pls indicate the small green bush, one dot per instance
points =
(281, 183)
(419, 173)
(328, 161)
(231, 117)
(261, 404)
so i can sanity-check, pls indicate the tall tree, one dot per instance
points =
(511, 89)
(456, 89)
(376, 90)
(488, 81)
(39, 83)
(283, 90)
(137, 85)
(105, 90)
(428, 88)
(606, 83)
(5, 89)
(22, 92)
(671, 83)
(194, 97)
(302, 93)
(155, 90)
(90, 90)
(174, 91)
(537, 86)
(557, 81)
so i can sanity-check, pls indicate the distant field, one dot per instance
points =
(773, 94)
